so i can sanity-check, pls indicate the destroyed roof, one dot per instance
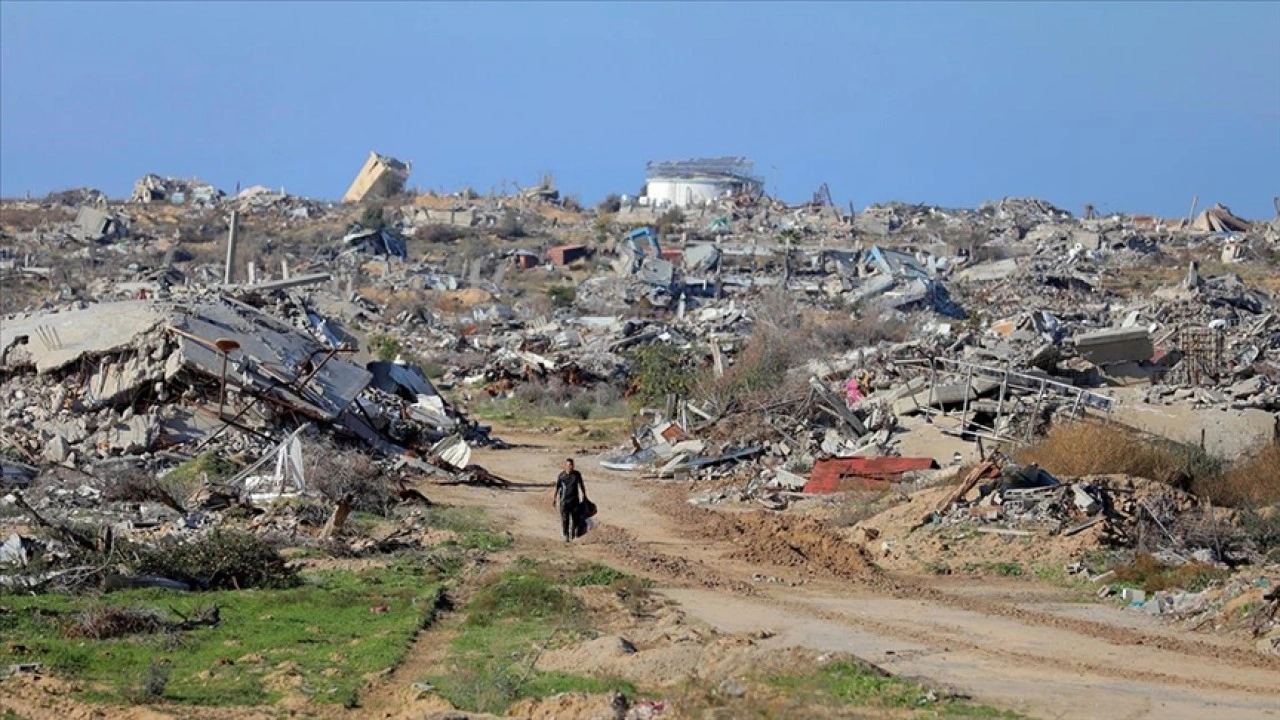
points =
(379, 241)
(729, 167)
(274, 359)
(1219, 218)
(391, 162)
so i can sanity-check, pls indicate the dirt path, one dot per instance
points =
(995, 641)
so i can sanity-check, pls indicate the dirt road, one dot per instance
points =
(1013, 644)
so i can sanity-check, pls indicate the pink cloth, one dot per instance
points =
(852, 392)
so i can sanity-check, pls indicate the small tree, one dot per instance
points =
(562, 296)
(660, 370)
(509, 226)
(670, 221)
(373, 218)
(612, 203)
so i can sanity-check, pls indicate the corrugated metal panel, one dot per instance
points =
(841, 474)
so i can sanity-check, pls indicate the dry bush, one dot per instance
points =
(1253, 481)
(1085, 448)
(838, 333)
(556, 398)
(442, 234)
(135, 484)
(1153, 576)
(219, 560)
(102, 623)
(338, 472)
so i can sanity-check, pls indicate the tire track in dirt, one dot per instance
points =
(954, 638)
(727, 543)
(798, 542)
(634, 553)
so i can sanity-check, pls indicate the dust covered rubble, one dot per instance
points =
(1013, 316)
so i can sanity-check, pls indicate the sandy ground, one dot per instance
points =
(1005, 642)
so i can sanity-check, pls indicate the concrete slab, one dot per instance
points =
(49, 341)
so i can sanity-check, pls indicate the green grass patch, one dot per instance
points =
(1007, 569)
(196, 470)
(848, 682)
(501, 631)
(484, 540)
(322, 638)
(524, 596)
(461, 520)
(596, 574)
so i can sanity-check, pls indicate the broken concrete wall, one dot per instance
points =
(380, 177)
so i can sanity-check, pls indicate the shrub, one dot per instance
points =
(1262, 528)
(205, 467)
(373, 218)
(102, 623)
(135, 484)
(385, 347)
(152, 685)
(1085, 448)
(670, 221)
(838, 333)
(1252, 481)
(562, 296)
(339, 473)
(660, 370)
(510, 226)
(219, 560)
(442, 234)
(1152, 575)
(612, 203)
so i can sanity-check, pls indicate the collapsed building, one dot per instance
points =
(381, 176)
(1006, 319)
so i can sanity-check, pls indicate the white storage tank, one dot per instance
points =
(686, 183)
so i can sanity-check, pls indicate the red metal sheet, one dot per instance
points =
(841, 474)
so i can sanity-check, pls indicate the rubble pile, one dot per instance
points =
(1116, 510)
(189, 320)
(94, 383)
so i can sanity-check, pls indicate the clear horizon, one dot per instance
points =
(1123, 106)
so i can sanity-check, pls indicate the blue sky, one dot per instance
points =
(1132, 107)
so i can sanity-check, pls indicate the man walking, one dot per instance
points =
(570, 492)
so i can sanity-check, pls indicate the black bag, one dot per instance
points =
(584, 510)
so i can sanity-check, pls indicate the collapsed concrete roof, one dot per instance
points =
(142, 341)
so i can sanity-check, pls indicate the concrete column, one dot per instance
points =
(229, 273)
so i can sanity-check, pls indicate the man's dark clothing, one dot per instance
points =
(570, 492)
